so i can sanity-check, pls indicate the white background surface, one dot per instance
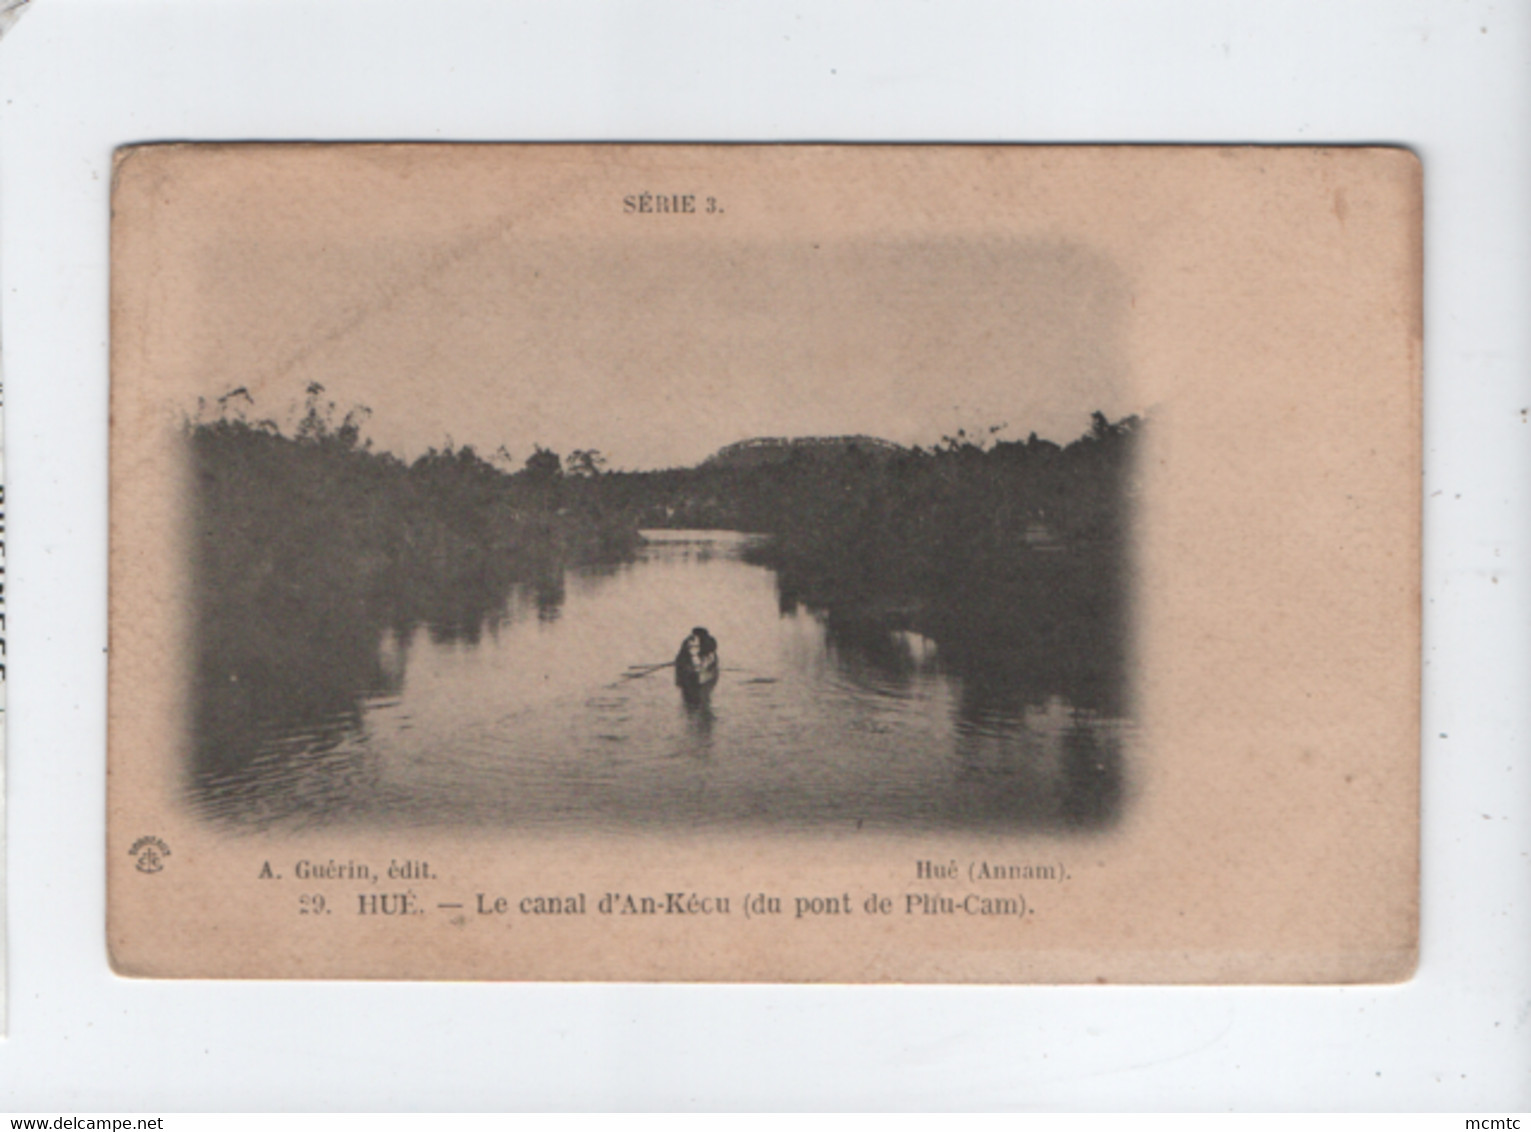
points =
(1450, 79)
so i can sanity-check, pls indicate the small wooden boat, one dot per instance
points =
(696, 664)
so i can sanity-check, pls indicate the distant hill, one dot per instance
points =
(763, 450)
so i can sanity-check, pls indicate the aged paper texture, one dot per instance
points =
(835, 563)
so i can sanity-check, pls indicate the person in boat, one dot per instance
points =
(696, 664)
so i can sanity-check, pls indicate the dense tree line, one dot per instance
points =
(318, 520)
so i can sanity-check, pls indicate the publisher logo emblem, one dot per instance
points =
(149, 854)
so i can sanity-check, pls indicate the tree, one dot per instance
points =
(543, 465)
(586, 462)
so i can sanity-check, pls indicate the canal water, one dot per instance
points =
(545, 715)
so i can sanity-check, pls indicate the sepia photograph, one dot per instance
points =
(708, 548)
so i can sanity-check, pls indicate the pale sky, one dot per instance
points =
(659, 354)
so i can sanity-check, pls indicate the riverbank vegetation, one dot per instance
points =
(1012, 555)
(310, 546)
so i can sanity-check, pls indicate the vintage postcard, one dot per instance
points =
(788, 563)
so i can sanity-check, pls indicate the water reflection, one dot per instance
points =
(548, 593)
(548, 702)
(882, 660)
(699, 722)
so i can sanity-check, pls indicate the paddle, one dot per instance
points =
(637, 670)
